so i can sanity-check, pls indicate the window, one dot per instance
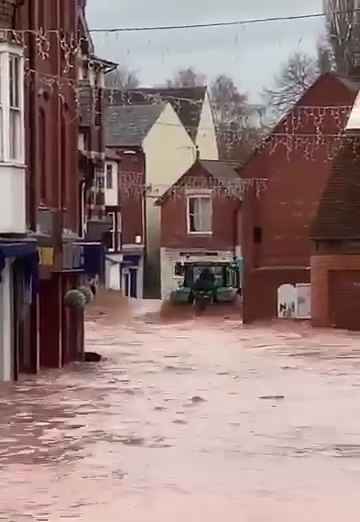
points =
(199, 215)
(258, 235)
(11, 104)
(179, 269)
(109, 176)
(98, 106)
(114, 237)
(15, 108)
(1, 121)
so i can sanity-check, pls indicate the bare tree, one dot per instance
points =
(122, 78)
(325, 57)
(296, 76)
(188, 77)
(343, 32)
(236, 135)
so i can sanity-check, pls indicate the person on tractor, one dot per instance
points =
(205, 283)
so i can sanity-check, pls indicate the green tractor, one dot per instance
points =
(220, 281)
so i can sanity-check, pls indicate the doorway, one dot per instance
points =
(130, 277)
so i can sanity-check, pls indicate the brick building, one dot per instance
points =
(335, 262)
(18, 251)
(200, 221)
(296, 160)
(125, 206)
(42, 205)
(91, 76)
(51, 126)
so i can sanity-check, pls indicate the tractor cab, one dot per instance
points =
(225, 281)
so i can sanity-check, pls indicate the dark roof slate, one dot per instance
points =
(225, 170)
(129, 125)
(187, 102)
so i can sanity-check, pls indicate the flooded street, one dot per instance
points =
(195, 419)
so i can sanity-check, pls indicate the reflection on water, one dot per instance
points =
(196, 418)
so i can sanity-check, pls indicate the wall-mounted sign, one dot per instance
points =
(46, 256)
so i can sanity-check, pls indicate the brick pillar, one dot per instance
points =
(51, 322)
(320, 291)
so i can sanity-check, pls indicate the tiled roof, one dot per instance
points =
(129, 125)
(187, 102)
(339, 210)
(221, 170)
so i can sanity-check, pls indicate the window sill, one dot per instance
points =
(207, 234)
(12, 163)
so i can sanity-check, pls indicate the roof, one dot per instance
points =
(351, 85)
(222, 171)
(107, 65)
(129, 125)
(187, 102)
(339, 209)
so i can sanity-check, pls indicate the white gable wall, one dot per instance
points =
(169, 152)
(206, 136)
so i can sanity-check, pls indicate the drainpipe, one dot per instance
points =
(82, 208)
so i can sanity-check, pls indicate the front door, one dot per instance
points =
(133, 283)
(130, 283)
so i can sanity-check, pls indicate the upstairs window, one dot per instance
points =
(109, 176)
(199, 210)
(1, 118)
(15, 107)
(11, 104)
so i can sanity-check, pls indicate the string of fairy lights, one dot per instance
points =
(305, 129)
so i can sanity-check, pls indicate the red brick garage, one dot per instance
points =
(344, 302)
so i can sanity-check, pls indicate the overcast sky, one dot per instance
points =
(250, 54)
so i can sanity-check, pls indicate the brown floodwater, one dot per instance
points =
(187, 418)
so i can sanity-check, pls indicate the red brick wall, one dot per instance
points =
(59, 104)
(7, 8)
(174, 233)
(321, 268)
(260, 291)
(287, 207)
(131, 186)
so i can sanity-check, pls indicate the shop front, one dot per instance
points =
(18, 295)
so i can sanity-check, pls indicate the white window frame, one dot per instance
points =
(7, 50)
(119, 229)
(113, 231)
(199, 195)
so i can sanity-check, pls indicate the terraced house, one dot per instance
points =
(42, 254)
